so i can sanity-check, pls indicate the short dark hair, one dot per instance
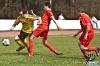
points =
(24, 11)
(80, 9)
(47, 4)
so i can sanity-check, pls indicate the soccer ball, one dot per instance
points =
(6, 42)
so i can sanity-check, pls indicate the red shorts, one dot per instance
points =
(89, 38)
(41, 31)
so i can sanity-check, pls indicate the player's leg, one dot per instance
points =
(87, 42)
(36, 33)
(25, 43)
(82, 49)
(31, 44)
(23, 36)
(88, 48)
(44, 35)
(83, 44)
(50, 47)
(96, 49)
(96, 24)
(20, 43)
(92, 48)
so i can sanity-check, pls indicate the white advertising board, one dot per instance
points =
(65, 24)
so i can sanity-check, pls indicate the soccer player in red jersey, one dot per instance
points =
(42, 30)
(87, 33)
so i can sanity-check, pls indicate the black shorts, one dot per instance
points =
(23, 35)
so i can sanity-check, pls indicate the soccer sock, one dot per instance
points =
(92, 48)
(84, 53)
(51, 48)
(20, 43)
(25, 43)
(31, 46)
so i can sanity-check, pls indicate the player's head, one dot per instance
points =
(47, 5)
(23, 13)
(80, 10)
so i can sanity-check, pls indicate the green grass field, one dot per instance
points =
(43, 56)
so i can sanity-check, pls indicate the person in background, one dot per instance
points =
(95, 21)
(87, 33)
(61, 17)
(43, 29)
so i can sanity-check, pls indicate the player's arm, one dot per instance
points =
(63, 18)
(15, 23)
(34, 18)
(77, 33)
(58, 27)
(32, 13)
(13, 26)
(87, 25)
(87, 30)
(39, 21)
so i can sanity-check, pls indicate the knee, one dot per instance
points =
(44, 42)
(82, 47)
(16, 38)
(31, 36)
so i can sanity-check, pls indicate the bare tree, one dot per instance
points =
(6, 3)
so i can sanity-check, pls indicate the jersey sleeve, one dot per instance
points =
(85, 19)
(49, 13)
(34, 18)
(17, 21)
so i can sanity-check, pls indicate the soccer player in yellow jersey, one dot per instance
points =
(27, 28)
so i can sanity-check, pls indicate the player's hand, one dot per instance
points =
(85, 37)
(10, 30)
(75, 35)
(31, 11)
(39, 23)
(60, 29)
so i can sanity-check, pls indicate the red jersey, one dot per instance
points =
(46, 18)
(42, 30)
(84, 19)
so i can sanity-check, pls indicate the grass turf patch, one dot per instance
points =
(43, 56)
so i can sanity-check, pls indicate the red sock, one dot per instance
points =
(51, 48)
(84, 53)
(31, 45)
(92, 48)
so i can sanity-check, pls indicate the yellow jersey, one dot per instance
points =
(27, 23)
